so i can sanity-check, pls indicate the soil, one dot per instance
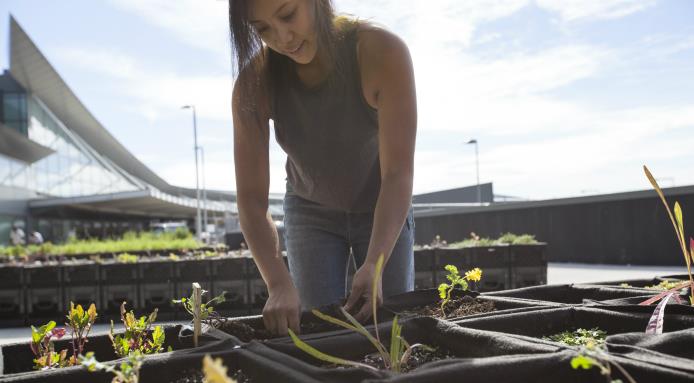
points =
(196, 376)
(455, 308)
(419, 357)
(246, 333)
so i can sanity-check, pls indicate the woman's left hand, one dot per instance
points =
(360, 297)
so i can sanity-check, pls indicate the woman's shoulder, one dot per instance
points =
(375, 43)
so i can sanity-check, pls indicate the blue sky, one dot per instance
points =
(566, 98)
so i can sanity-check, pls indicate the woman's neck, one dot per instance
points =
(315, 72)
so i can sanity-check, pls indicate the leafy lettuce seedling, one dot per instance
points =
(136, 334)
(42, 347)
(393, 358)
(455, 279)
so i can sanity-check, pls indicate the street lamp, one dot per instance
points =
(477, 161)
(204, 189)
(197, 178)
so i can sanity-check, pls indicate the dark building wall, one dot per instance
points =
(465, 194)
(629, 231)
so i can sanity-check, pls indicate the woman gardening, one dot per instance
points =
(341, 95)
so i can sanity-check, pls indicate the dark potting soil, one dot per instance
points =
(419, 357)
(196, 376)
(455, 308)
(246, 333)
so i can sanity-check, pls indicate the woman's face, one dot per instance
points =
(287, 27)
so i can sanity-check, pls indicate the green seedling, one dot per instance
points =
(128, 371)
(455, 279)
(393, 358)
(665, 285)
(80, 323)
(206, 309)
(43, 349)
(594, 355)
(580, 337)
(678, 225)
(127, 258)
(136, 335)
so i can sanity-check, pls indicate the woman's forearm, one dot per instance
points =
(393, 204)
(261, 236)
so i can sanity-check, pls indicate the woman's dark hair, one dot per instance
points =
(267, 68)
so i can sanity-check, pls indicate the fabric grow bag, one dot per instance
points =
(570, 293)
(538, 368)
(461, 342)
(403, 303)
(18, 358)
(642, 282)
(551, 321)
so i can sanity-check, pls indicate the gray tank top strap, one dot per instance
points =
(330, 135)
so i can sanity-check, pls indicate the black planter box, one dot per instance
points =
(570, 293)
(236, 297)
(494, 262)
(80, 273)
(551, 321)
(424, 271)
(11, 276)
(112, 296)
(18, 358)
(528, 265)
(192, 270)
(43, 275)
(156, 270)
(115, 273)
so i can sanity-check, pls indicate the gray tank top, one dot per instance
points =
(330, 135)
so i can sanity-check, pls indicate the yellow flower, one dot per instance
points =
(474, 274)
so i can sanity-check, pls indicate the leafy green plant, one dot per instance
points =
(393, 358)
(135, 337)
(127, 258)
(455, 279)
(43, 349)
(80, 323)
(594, 355)
(128, 371)
(580, 337)
(665, 285)
(206, 309)
(678, 225)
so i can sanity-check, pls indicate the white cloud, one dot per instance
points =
(199, 23)
(575, 10)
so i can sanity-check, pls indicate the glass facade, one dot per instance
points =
(13, 111)
(74, 169)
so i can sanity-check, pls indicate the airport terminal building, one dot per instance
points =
(62, 172)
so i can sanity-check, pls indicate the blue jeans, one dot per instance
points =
(318, 241)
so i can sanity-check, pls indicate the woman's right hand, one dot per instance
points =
(282, 309)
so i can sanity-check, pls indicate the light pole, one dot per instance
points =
(204, 190)
(477, 161)
(197, 178)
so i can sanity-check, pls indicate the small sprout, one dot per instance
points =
(595, 355)
(206, 309)
(445, 289)
(129, 371)
(580, 337)
(80, 323)
(127, 258)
